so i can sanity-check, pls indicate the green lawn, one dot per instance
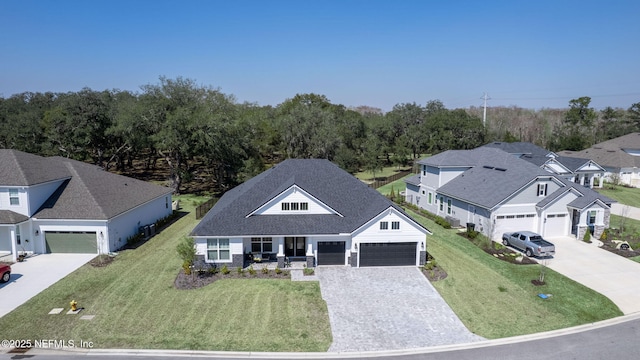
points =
(397, 186)
(623, 195)
(385, 172)
(136, 306)
(496, 299)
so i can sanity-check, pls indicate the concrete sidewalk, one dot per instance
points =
(625, 210)
(611, 275)
(37, 273)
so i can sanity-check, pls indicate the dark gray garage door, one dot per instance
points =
(387, 254)
(71, 242)
(331, 252)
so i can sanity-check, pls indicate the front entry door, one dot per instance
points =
(294, 246)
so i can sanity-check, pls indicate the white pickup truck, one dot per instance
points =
(531, 243)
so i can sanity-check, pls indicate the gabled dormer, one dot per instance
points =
(294, 201)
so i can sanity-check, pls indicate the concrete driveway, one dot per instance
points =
(37, 273)
(609, 274)
(387, 308)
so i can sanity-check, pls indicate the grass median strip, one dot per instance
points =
(496, 299)
(136, 306)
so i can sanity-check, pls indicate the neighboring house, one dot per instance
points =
(585, 172)
(620, 157)
(499, 192)
(56, 204)
(309, 210)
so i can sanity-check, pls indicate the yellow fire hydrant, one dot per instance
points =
(74, 305)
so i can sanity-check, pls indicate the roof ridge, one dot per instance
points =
(75, 175)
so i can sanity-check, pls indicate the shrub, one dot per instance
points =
(213, 270)
(187, 268)
(587, 237)
(252, 271)
(186, 249)
(472, 234)
(265, 270)
(239, 270)
(225, 270)
(605, 235)
(430, 265)
(278, 271)
(308, 271)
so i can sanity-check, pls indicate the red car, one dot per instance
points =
(5, 272)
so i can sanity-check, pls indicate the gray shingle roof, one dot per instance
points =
(92, 193)
(23, 169)
(413, 180)
(11, 217)
(519, 148)
(610, 153)
(350, 197)
(495, 175)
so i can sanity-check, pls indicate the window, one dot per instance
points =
(424, 170)
(295, 206)
(395, 225)
(441, 203)
(384, 225)
(18, 235)
(423, 192)
(429, 198)
(592, 217)
(218, 249)
(519, 216)
(13, 197)
(166, 203)
(449, 206)
(261, 245)
(542, 189)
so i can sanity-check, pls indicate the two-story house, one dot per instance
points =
(55, 204)
(499, 192)
(309, 210)
(581, 171)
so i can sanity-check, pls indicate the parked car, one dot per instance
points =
(5, 270)
(531, 243)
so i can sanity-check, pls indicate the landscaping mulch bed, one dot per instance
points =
(101, 260)
(435, 274)
(611, 246)
(502, 252)
(196, 280)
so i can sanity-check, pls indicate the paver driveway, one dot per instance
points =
(609, 274)
(37, 273)
(387, 308)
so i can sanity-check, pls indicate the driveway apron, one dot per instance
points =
(609, 274)
(37, 273)
(388, 308)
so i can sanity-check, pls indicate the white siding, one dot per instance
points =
(38, 194)
(295, 195)
(127, 224)
(22, 207)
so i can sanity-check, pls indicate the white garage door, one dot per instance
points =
(511, 223)
(555, 225)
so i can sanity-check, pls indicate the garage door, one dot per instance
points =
(388, 254)
(555, 225)
(331, 252)
(511, 223)
(71, 242)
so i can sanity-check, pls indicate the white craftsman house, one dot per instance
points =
(620, 157)
(499, 192)
(55, 204)
(309, 210)
(581, 171)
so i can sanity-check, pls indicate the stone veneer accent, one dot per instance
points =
(354, 259)
(237, 260)
(423, 257)
(311, 261)
(281, 262)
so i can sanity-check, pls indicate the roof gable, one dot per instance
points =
(294, 195)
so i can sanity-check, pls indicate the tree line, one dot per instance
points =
(202, 135)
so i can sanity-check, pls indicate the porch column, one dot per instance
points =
(600, 179)
(14, 251)
(280, 246)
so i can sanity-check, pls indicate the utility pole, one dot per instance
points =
(484, 113)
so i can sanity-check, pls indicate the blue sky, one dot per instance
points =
(532, 54)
